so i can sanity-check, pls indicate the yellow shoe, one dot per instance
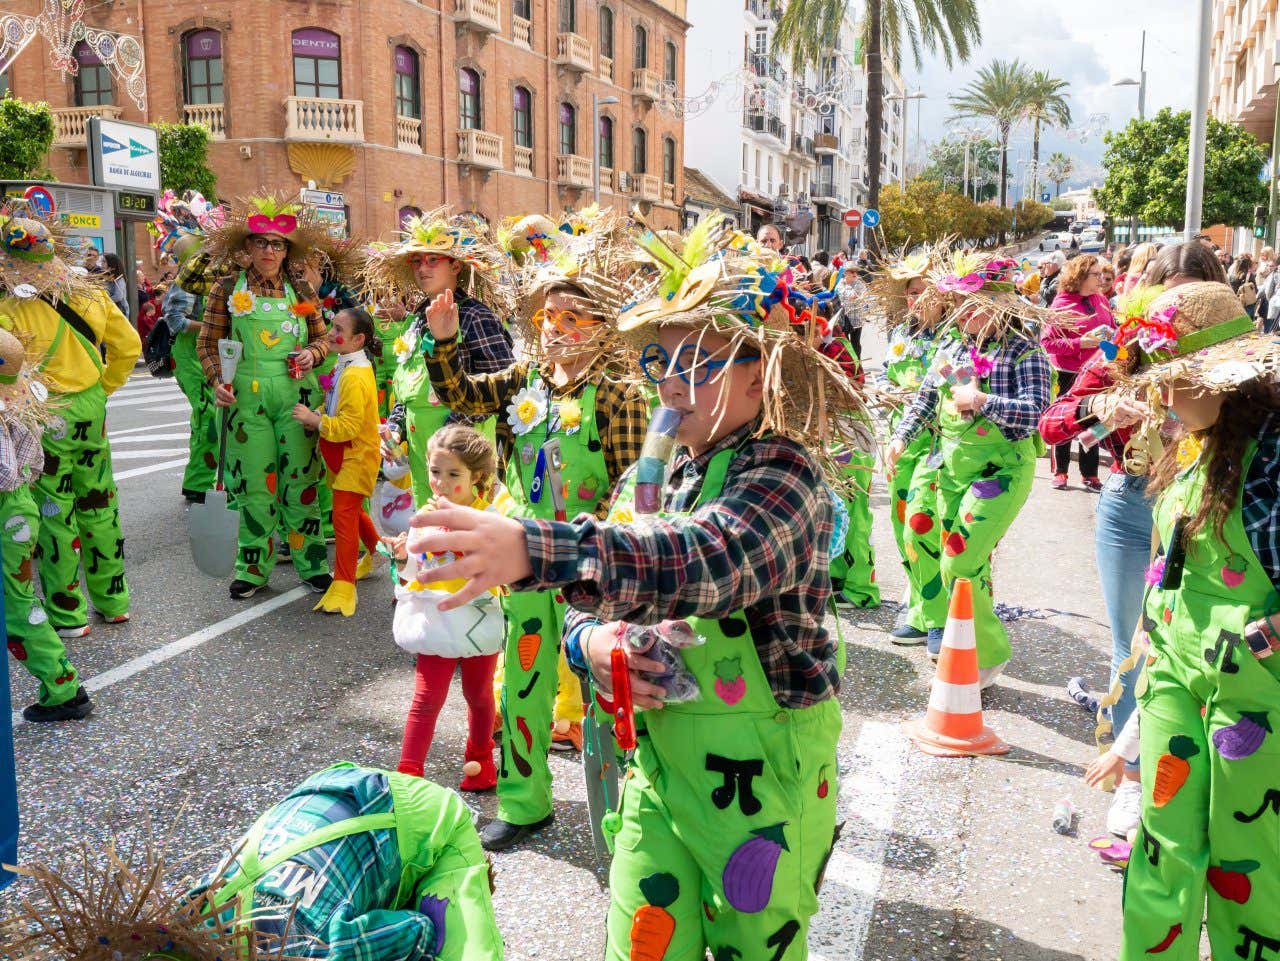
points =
(364, 566)
(340, 598)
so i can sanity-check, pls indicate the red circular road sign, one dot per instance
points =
(40, 198)
(852, 218)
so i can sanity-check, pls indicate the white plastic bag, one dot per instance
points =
(392, 508)
(418, 627)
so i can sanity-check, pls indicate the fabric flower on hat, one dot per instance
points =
(241, 303)
(526, 411)
(968, 284)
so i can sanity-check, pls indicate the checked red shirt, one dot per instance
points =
(1063, 420)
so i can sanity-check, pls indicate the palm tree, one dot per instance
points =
(1046, 106)
(808, 28)
(1059, 169)
(1000, 96)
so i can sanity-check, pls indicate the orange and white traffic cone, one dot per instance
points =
(953, 725)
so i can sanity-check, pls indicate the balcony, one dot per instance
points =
(826, 143)
(409, 134)
(524, 161)
(766, 67)
(645, 84)
(71, 124)
(483, 16)
(573, 52)
(802, 145)
(573, 171)
(315, 119)
(479, 148)
(623, 181)
(606, 178)
(606, 68)
(765, 124)
(647, 186)
(211, 115)
(764, 10)
(522, 32)
(824, 191)
(669, 194)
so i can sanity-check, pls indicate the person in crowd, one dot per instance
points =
(1108, 287)
(1123, 260)
(1185, 260)
(1243, 280)
(1139, 264)
(772, 237)
(1050, 270)
(852, 292)
(113, 272)
(1081, 320)
(1266, 267)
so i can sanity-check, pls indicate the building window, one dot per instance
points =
(317, 64)
(521, 9)
(522, 117)
(202, 67)
(93, 81)
(606, 32)
(568, 129)
(568, 16)
(469, 99)
(670, 62)
(606, 142)
(640, 151)
(408, 102)
(642, 47)
(668, 161)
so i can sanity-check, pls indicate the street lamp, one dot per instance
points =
(596, 103)
(906, 117)
(1141, 84)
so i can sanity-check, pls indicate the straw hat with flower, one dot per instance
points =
(33, 257)
(968, 282)
(264, 214)
(887, 290)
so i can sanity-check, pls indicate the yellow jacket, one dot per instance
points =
(501, 504)
(355, 421)
(71, 369)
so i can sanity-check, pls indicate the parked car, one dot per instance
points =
(1050, 241)
(1091, 242)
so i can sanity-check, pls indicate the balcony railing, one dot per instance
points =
(573, 52)
(606, 67)
(573, 171)
(765, 123)
(764, 10)
(522, 32)
(826, 143)
(648, 187)
(71, 124)
(765, 66)
(524, 161)
(645, 84)
(479, 148)
(409, 134)
(212, 115)
(824, 189)
(669, 194)
(802, 145)
(482, 15)
(311, 119)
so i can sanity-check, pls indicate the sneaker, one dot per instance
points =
(283, 550)
(904, 635)
(76, 709)
(566, 736)
(1092, 484)
(193, 497)
(842, 601)
(987, 675)
(934, 642)
(1126, 808)
(78, 630)
(243, 590)
(115, 618)
(1078, 691)
(1059, 482)
(498, 835)
(318, 582)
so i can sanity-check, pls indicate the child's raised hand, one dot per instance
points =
(1108, 764)
(398, 546)
(442, 316)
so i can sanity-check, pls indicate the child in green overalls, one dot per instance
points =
(570, 423)
(983, 395)
(1209, 700)
(727, 816)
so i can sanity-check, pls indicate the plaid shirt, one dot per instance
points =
(760, 547)
(1068, 416)
(1017, 389)
(1260, 499)
(217, 320)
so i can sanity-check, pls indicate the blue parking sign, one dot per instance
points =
(871, 217)
(1045, 198)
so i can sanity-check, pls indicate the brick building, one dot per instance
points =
(397, 104)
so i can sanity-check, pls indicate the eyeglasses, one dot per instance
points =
(429, 260)
(1096, 274)
(268, 243)
(693, 365)
(565, 321)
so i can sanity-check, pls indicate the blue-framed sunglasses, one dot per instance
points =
(693, 365)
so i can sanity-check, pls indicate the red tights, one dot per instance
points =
(351, 527)
(429, 692)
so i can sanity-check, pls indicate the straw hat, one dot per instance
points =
(266, 214)
(969, 281)
(32, 255)
(887, 290)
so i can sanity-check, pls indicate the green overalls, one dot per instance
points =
(272, 459)
(728, 811)
(854, 570)
(913, 489)
(535, 620)
(424, 414)
(982, 484)
(386, 366)
(77, 500)
(202, 457)
(1210, 762)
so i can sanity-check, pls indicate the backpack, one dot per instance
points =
(157, 352)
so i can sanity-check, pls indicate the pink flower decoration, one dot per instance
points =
(968, 284)
(981, 364)
(326, 381)
(1155, 573)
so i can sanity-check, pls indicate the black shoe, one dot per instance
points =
(76, 709)
(283, 550)
(243, 590)
(193, 497)
(319, 583)
(498, 835)
(904, 635)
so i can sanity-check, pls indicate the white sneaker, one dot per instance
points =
(987, 675)
(1126, 808)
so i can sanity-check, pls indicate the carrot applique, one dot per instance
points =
(652, 927)
(1173, 769)
(529, 642)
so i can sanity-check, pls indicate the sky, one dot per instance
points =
(1090, 44)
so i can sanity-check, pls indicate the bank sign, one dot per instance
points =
(124, 155)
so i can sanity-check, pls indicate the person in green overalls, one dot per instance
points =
(727, 816)
(578, 398)
(273, 464)
(438, 253)
(1209, 699)
(984, 394)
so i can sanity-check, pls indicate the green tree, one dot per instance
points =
(26, 134)
(1046, 107)
(999, 94)
(1059, 169)
(184, 158)
(946, 165)
(1146, 172)
(951, 28)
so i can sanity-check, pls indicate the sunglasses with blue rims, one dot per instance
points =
(692, 364)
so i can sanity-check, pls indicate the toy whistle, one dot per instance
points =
(624, 712)
(651, 467)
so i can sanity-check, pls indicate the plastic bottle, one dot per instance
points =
(1064, 817)
(651, 467)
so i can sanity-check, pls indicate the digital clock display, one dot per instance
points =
(136, 202)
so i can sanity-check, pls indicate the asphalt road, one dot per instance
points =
(209, 709)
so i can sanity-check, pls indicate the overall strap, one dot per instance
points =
(68, 319)
(717, 471)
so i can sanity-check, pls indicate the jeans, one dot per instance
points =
(1060, 454)
(1122, 541)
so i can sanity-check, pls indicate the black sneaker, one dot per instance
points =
(76, 709)
(319, 582)
(904, 635)
(243, 590)
(283, 550)
(498, 835)
(193, 497)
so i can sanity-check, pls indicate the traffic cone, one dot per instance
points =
(953, 726)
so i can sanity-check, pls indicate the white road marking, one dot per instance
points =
(868, 798)
(140, 454)
(136, 400)
(150, 469)
(171, 650)
(166, 409)
(142, 430)
(147, 439)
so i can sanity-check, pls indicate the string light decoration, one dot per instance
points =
(744, 87)
(61, 23)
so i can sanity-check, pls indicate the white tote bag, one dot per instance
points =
(472, 630)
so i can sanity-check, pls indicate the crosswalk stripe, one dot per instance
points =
(141, 454)
(147, 439)
(150, 468)
(131, 391)
(166, 408)
(142, 430)
(134, 401)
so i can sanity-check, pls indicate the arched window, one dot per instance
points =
(202, 67)
(317, 64)
(469, 117)
(639, 151)
(606, 32)
(668, 160)
(408, 84)
(568, 16)
(93, 81)
(522, 117)
(606, 141)
(670, 62)
(642, 47)
(568, 129)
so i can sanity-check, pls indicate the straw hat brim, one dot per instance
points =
(1219, 369)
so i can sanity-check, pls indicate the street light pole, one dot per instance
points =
(596, 103)
(1199, 124)
(906, 122)
(1141, 84)
(1275, 157)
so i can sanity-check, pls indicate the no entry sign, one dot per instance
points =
(852, 218)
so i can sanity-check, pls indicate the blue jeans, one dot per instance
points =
(1122, 541)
